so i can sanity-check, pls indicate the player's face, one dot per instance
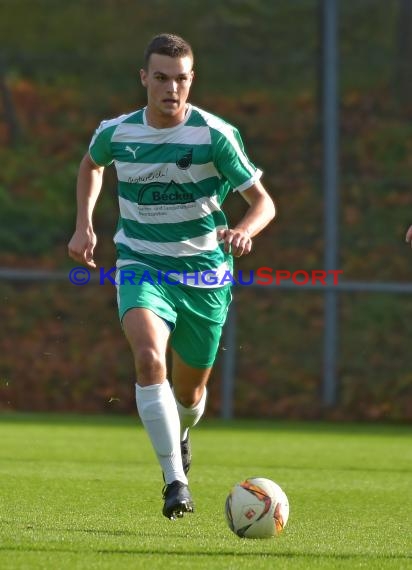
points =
(167, 80)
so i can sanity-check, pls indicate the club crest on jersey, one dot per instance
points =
(155, 193)
(184, 158)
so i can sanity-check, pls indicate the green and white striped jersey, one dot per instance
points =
(171, 185)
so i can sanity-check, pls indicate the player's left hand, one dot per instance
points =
(236, 241)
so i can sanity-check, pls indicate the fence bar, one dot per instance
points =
(23, 274)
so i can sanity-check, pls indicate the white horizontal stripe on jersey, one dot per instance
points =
(137, 133)
(168, 213)
(215, 275)
(184, 248)
(146, 173)
(106, 124)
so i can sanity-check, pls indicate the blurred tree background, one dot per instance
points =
(66, 66)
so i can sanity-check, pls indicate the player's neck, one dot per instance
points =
(160, 120)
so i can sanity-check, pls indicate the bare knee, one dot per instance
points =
(150, 365)
(189, 398)
(187, 401)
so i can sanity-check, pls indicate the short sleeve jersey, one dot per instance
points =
(171, 185)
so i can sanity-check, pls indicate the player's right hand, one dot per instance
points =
(81, 247)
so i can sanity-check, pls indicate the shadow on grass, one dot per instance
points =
(234, 553)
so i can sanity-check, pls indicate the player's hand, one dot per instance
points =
(81, 247)
(236, 241)
(408, 237)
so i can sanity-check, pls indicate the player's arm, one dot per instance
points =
(260, 212)
(89, 184)
(408, 237)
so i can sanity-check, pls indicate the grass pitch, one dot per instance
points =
(85, 492)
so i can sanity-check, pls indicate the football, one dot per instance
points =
(257, 508)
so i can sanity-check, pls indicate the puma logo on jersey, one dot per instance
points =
(133, 151)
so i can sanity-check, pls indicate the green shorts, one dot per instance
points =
(195, 315)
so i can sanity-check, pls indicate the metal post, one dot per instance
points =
(229, 363)
(330, 132)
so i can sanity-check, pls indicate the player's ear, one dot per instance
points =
(143, 77)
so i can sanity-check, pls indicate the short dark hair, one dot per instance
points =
(167, 44)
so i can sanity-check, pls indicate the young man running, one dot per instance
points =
(175, 164)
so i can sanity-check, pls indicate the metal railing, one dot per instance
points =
(229, 354)
(330, 380)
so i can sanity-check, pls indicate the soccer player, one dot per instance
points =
(175, 165)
